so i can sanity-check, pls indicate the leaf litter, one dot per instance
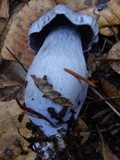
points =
(84, 140)
(47, 89)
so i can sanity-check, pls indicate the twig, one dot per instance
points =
(109, 98)
(107, 59)
(17, 60)
(80, 77)
(34, 113)
(101, 113)
(106, 118)
(99, 95)
(104, 45)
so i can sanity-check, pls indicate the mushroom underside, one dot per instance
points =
(36, 39)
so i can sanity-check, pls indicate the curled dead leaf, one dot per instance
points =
(11, 90)
(82, 125)
(4, 9)
(106, 152)
(17, 38)
(84, 131)
(109, 31)
(106, 13)
(111, 90)
(47, 89)
(8, 83)
(85, 137)
(114, 53)
(77, 5)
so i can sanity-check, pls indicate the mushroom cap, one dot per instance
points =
(63, 15)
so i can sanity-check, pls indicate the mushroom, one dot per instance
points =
(59, 38)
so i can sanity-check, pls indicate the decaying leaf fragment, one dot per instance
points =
(8, 83)
(84, 133)
(106, 152)
(4, 9)
(10, 89)
(107, 13)
(111, 90)
(18, 44)
(109, 31)
(114, 53)
(77, 5)
(12, 145)
(47, 89)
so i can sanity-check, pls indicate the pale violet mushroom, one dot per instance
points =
(59, 38)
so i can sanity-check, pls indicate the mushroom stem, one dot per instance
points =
(59, 38)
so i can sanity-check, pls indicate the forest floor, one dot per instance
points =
(96, 134)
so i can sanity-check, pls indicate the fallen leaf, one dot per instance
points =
(8, 83)
(10, 89)
(92, 64)
(106, 13)
(18, 44)
(114, 53)
(85, 137)
(47, 89)
(101, 113)
(77, 5)
(84, 131)
(11, 142)
(10, 70)
(109, 31)
(82, 125)
(4, 9)
(2, 25)
(111, 90)
(106, 152)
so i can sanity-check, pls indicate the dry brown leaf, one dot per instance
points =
(111, 90)
(10, 89)
(2, 25)
(85, 137)
(12, 71)
(17, 37)
(100, 113)
(4, 9)
(106, 14)
(92, 64)
(77, 5)
(82, 125)
(8, 83)
(114, 53)
(109, 31)
(10, 139)
(106, 152)
(84, 131)
(47, 89)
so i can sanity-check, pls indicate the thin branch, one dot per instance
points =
(99, 95)
(106, 59)
(109, 98)
(17, 60)
(34, 113)
(80, 77)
